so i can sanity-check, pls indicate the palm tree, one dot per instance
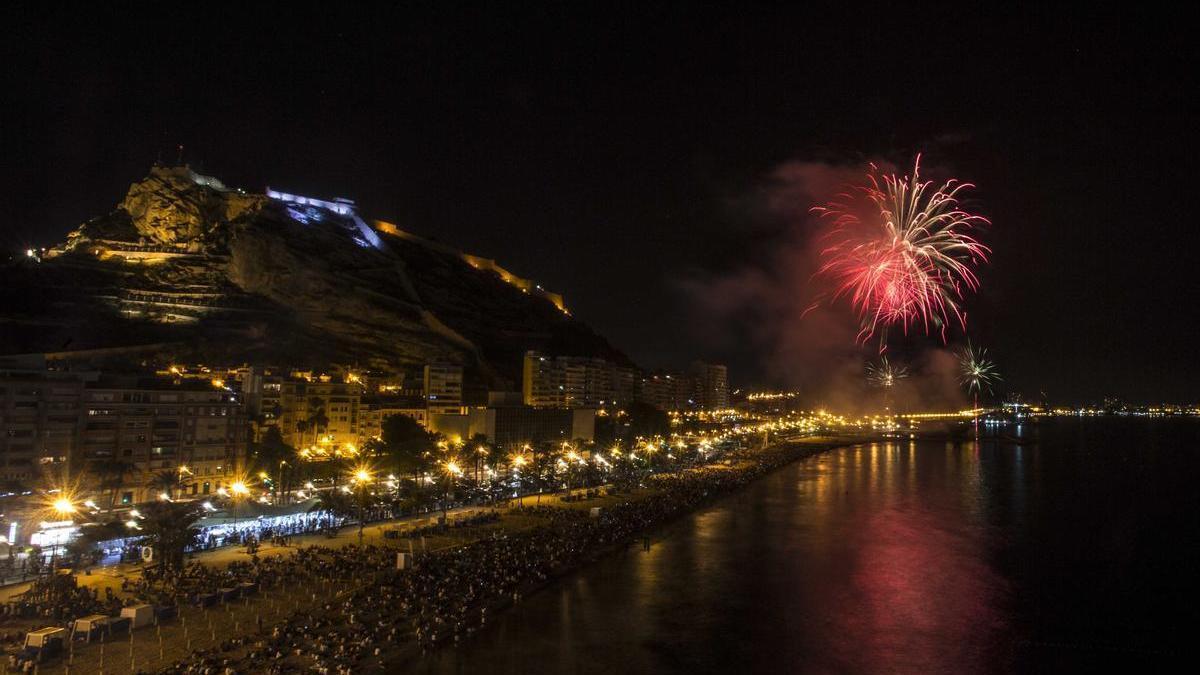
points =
(170, 528)
(336, 502)
(272, 454)
(112, 473)
(302, 427)
(317, 419)
(480, 452)
(542, 464)
(166, 482)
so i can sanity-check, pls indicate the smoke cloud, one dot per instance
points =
(782, 309)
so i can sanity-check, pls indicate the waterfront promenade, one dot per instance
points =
(336, 580)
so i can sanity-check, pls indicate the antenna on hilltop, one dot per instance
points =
(179, 158)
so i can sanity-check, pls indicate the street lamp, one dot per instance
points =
(453, 471)
(237, 491)
(361, 477)
(64, 507)
(519, 460)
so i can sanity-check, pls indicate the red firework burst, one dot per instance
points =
(902, 253)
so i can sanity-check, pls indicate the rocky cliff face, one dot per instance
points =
(174, 205)
(187, 268)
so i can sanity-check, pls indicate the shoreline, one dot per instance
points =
(352, 594)
(792, 451)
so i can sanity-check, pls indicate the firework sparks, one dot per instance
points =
(884, 374)
(901, 251)
(978, 373)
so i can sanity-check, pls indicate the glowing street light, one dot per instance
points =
(238, 490)
(63, 506)
(362, 477)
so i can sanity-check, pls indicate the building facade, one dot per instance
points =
(575, 382)
(106, 438)
(667, 391)
(372, 413)
(443, 388)
(144, 427)
(710, 386)
(40, 420)
(322, 417)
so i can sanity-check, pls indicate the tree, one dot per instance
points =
(166, 482)
(405, 444)
(543, 467)
(302, 427)
(273, 455)
(81, 551)
(170, 529)
(112, 473)
(336, 502)
(482, 452)
(317, 419)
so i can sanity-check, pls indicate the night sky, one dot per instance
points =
(615, 155)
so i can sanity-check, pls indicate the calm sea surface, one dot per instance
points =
(1078, 553)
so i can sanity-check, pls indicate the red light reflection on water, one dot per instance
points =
(920, 598)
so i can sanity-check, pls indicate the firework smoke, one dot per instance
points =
(778, 303)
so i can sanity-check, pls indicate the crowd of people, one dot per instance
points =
(375, 609)
(60, 599)
(446, 595)
(480, 518)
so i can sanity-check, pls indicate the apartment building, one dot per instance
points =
(710, 385)
(443, 388)
(149, 426)
(323, 416)
(39, 425)
(575, 382)
(372, 412)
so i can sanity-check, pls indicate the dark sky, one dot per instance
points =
(607, 153)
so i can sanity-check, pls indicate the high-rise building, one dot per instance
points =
(443, 388)
(149, 426)
(39, 424)
(107, 437)
(575, 382)
(542, 383)
(667, 391)
(710, 385)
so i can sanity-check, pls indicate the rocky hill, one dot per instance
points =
(186, 268)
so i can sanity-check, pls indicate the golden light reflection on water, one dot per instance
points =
(858, 560)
